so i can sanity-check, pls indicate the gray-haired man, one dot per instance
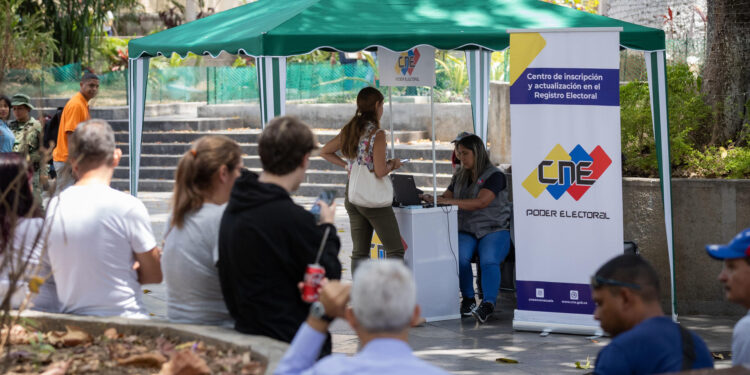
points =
(382, 308)
(99, 234)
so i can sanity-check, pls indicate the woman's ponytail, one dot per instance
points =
(195, 171)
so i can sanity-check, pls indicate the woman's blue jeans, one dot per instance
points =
(493, 248)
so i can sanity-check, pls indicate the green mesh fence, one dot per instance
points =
(306, 81)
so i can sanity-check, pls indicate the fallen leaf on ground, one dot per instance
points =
(252, 368)
(74, 336)
(111, 334)
(18, 335)
(57, 368)
(505, 360)
(185, 362)
(584, 366)
(151, 359)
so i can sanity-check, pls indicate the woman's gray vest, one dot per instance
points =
(493, 218)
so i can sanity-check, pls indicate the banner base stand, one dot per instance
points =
(527, 321)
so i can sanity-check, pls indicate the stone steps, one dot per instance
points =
(245, 135)
(402, 152)
(312, 176)
(316, 163)
(305, 189)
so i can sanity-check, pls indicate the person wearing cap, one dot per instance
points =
(28, 133)
(480, 191)
(644, 341)
(735, 276)
(75, 112)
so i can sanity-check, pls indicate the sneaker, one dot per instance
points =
(483, 311)
(467, 306)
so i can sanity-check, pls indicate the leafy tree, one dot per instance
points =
(24, 40)
(75, 22)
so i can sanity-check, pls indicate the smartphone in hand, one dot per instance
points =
(326, 196)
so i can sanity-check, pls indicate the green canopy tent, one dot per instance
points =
(272, 30)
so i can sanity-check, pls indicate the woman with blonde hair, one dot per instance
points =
(203, 182)
(361, 141)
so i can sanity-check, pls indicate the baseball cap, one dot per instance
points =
(739, 247)
(461, 136)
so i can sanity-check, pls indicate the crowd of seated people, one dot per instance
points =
(237, 246)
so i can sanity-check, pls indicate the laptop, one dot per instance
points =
(405, 191)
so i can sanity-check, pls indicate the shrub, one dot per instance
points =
(689, 118)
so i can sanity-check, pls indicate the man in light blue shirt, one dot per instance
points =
(382, 308)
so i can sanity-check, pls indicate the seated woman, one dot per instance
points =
(203, 182)
(21, 220)
(479, 190)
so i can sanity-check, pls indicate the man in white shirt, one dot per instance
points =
(382, 308)
(100, 244)
(735, 276)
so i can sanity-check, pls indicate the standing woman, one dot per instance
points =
(480, 191)
(362, 141)
(7, 139)
(203, 183)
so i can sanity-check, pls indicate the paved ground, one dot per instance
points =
(463, 346)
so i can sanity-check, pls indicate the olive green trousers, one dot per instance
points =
(362, 222)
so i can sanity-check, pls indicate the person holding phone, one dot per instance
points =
(362, 141)
(266, 241)
(480, 191)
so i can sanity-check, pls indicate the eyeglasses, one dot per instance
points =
(598, 282)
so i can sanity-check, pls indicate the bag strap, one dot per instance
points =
(688, 348)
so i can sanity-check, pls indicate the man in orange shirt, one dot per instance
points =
(75, 112)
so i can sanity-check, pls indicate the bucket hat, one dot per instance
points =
(21, 99)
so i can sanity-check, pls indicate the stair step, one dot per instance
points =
(316, 163)
(248, 135)
(252, 149)
(312, 176)
(305, 189)
(183, 123)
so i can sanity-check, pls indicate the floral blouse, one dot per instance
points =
(364, 151)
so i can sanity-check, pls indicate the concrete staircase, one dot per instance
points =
(169, 130)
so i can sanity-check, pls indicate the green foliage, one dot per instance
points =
(25, 41)
(73, 22)
(114, 52)
(689, 120)
(452, 78)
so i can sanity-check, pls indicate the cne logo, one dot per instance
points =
(572, 172)
(407, 61)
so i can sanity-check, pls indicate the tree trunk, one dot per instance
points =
(726, 76)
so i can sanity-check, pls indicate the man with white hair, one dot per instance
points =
(381, 308)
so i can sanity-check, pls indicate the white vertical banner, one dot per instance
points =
(567, 185)
(415, 67)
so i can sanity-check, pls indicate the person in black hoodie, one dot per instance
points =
(266, 241)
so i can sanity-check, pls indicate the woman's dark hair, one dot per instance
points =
(16, 196)
(195, 173)
(367, 104)
(481, 160)
(4, 98)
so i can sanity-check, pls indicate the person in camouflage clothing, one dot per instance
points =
(28, 133)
